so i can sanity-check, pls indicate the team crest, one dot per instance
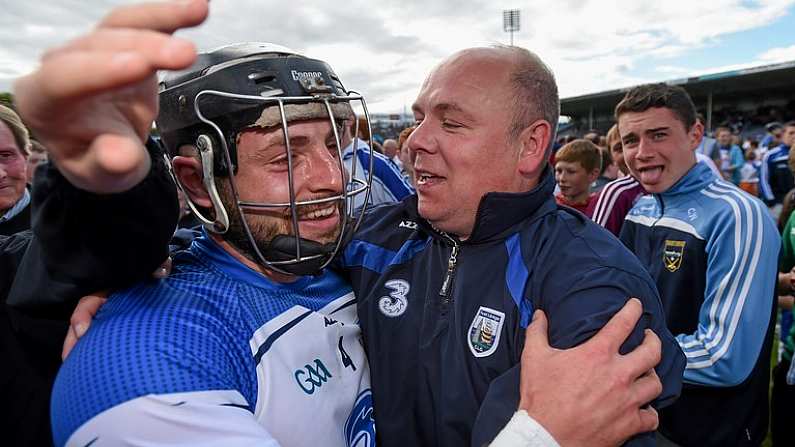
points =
(673, 254)
(484, 332)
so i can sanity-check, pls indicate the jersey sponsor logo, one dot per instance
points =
(485, 331)
(410, 224)
(673, 254)
(312, 377)
(692, 214)
(360, 426)
(396, 302)
(299, 75)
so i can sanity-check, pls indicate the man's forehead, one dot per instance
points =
(653, 118)
(469, 72)
(7, 140)
(296, 127)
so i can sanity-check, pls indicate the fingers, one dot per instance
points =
(73, 74)
(112, 164)
(160, 50)
(617, 330)
(648, 420)
(536, 336)
(646, 388)
(166, 17)
(645, 356)
(81, 318)
(128, 47)
(69, 342)
(86, 308)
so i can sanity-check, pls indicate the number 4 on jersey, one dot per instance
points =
(346, 359)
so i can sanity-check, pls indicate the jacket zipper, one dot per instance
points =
(447, 284)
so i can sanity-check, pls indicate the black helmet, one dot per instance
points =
(258, 85)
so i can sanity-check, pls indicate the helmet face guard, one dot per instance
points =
(214, 118)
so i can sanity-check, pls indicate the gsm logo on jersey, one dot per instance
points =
(312, 377)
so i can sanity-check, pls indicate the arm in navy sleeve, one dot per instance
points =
(588, 304)
(86, 242)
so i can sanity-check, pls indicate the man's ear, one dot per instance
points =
(695, 135)
(188, 170)
(534, 141)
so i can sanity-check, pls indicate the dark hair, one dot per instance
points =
(789, 124)
(645, 97)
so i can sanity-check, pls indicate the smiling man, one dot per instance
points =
(241, 339)
(250, 337)
(448, 279)
(713, 251)
(14, 196)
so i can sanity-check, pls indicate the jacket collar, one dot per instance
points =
(698, 177)
(499, 212)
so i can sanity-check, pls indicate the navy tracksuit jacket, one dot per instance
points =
(443, 320)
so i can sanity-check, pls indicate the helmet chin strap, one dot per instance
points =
(282, 249)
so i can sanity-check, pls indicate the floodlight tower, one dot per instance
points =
(510, 21)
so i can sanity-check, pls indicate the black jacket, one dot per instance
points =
(443, 320)
(40, 288)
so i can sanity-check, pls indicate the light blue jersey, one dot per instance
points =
(217, 354)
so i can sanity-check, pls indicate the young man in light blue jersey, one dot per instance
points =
(713, 251)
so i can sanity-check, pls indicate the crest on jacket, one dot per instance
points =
(484, 332)
(673, 254)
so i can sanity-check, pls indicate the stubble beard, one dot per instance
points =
(263, 228)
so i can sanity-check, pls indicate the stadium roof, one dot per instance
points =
(769, 78)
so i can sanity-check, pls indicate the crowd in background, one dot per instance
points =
(588, 170)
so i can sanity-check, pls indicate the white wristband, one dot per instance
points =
(523, 431)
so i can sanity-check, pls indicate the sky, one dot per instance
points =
(384, 49)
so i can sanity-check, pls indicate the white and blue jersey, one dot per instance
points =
(388, 184)
(713, 252)
(217, 354)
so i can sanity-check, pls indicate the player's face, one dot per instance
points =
(12, 170)
(461, 149)
(263, 177)
(657, 147)
(574, 180)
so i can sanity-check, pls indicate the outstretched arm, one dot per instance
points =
(104, 213)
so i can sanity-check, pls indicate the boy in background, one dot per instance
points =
(577, 165)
